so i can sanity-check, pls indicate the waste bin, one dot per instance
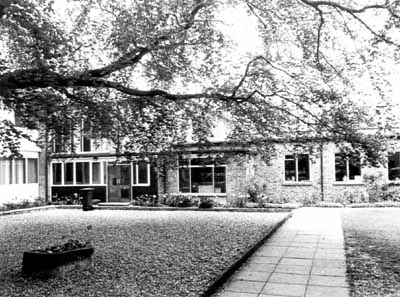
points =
(87, 198)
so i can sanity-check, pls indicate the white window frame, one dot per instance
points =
(296, 166)
(135, 183)
(347, 180)
(74, 184)
(190, 166)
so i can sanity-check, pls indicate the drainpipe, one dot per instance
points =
(321, 147)
(46, 167)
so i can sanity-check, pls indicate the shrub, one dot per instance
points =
(206, 202)
(25, 203)
(379, 190)
(178, 200)
(238, 200)
(145, 200)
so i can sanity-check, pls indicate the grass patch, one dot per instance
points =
(137, 253)
(372, 239)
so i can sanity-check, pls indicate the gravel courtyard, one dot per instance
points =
(137, 253)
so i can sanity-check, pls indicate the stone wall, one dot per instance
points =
(244, 169)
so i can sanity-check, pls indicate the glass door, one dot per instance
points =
(119, 183)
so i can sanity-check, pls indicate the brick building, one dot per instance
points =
(219, 169)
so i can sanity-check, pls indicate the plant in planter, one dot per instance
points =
(53, 260)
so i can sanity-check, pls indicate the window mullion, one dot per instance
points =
(296, 166)
(190, 175)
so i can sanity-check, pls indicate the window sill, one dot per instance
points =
(288, 183)
(348, 183)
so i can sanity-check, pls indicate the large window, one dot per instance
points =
(347, 168)
(141, 174)
(79, 173)
(96, 173)
(56, 170)
(18, 171)
(297, 168)
(86, 136)
(68, 173)
(82, 172)
(394, 166)
(201, 175)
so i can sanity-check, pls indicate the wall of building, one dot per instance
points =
(242, 170)
(17, 192)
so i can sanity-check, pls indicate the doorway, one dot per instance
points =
(119, 183)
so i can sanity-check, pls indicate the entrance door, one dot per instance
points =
(119, 183)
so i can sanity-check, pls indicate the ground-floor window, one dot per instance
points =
(297, 168)
(201, 175)
(78, 172)
(141, 174)
(347, 167)
(18, 171)
(394, 166)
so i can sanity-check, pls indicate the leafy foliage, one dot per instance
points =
(146, 71)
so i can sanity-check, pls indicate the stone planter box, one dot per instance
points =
(39, 263)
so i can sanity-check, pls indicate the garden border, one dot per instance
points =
(222, 278)
(147, 208)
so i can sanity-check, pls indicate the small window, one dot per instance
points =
(96, 173)
(347, 167)
(69, 173)
(86, 136)
(56, 173)
(82, 172)
(394, 166)
(297, 168)
(32, 171)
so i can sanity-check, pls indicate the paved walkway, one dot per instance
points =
(304, 258)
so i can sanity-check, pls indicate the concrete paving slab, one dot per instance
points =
(304, 258)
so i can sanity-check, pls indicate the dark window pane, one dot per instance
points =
(82, 172)
(303, 167)
(354, 167)
(143, 172)
(125, 175)
(32, 171)
(394, 166)
(290, 168)
(340, 167)
(202, 162)
(96, 173)
(219, 180)
(86, 147)
(184, 183)
(69, 173)
(104, 172)
(183, 162)
(56, 172)
(202, 180)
